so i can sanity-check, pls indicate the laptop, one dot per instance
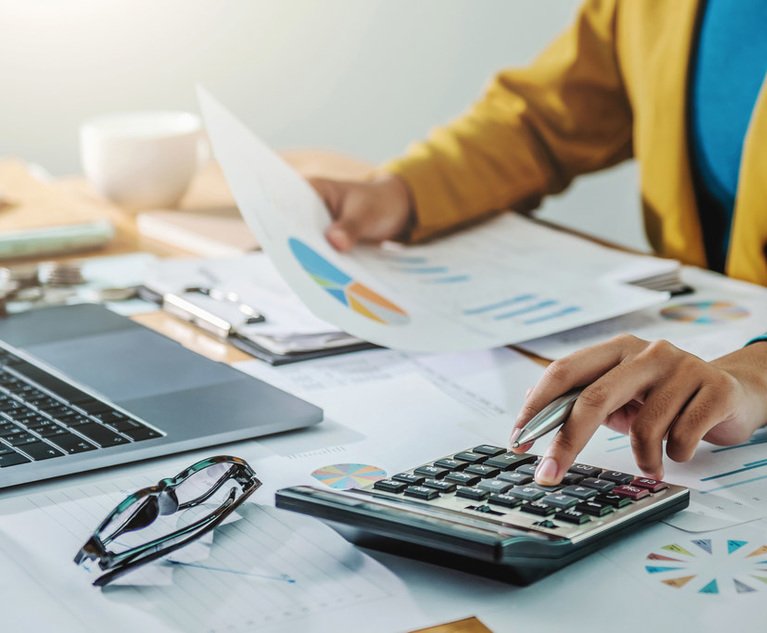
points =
(83, 388)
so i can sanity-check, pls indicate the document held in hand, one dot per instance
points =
(502, 282)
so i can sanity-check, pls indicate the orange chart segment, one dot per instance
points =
(345, 289)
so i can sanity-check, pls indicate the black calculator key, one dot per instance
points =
(100, 434)
(421, 492)
(635, 493)
(573, 516)
(535, 507)
(509, 461)
(504, 500)
(600, 485)
(616, 501)
(559, 500)
(51, 431)
(471, 493)
(494, 485)
(442, 486)
(142, 433)
(571, 479)
(482, 470)
(526, 493)
(72, 444)
(583, 469)
(616, 476)
(409, 478)
(470, 456)
(450, 464)
(40, 450)
(580, 492)
(594, 508)
(431, 471)
(518, 479)
(526, 469)
(546, 489)
(488, 449)
(12, 459)
(464, 479)
(389, 485)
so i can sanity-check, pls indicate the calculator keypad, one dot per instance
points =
(489, 481)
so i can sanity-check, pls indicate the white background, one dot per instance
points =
(362, 76)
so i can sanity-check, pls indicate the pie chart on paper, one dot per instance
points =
(343, 288)
(705, 312)
(345, 476)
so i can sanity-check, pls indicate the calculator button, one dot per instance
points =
(510, 460)
(571, 479)
(594, 509)
(583, 469)
(535, 507)
(573, 516)
(506, 501)
(518, 479)
(616, 501)
(616, 476)
(546, 489)
(559, 500)
(653, 485)
(488, 449)
(632, 492)
(442, 486)
(482, 470)
(471, 493)
(431, 471)
(409, 478)
(421, 492)
(470, 456)
(600, 485)
(526, 493)
(389, 485)
(494, 485)
(580, 492)
(465, 479)
(12, 459)
(450, 464)
(526, 469)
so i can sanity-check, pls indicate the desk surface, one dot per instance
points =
(208, 191)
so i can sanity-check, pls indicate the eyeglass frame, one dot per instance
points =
(120, 563)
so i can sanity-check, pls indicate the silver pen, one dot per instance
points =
(549, 418)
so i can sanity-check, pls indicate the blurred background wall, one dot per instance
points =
(365, 77)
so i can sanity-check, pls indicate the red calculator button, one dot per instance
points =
(653, 485)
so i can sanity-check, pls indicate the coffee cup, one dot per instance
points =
(142, 160)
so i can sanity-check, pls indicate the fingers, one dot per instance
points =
(620, 385)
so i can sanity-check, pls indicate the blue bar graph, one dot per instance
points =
(757, 439)
(553, 315)
(514, 313)
(453, 279)
(733, 485)
(498, 305)
(424, 270)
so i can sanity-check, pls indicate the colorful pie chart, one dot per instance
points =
(705, 312)
(343, 288)
(345, 476)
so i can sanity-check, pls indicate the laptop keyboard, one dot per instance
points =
(43, 417)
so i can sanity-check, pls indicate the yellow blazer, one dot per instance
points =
(612, 86)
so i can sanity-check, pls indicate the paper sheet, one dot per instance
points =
(269, 571)
(499, 283)
(718, 318)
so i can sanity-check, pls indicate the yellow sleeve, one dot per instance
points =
(533, 131)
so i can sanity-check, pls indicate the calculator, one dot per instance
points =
(479, 510)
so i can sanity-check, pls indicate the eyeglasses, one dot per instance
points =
(199, 484)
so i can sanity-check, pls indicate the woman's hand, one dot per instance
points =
(371, 211)
(653, 392)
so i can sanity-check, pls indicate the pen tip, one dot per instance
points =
(515, 445)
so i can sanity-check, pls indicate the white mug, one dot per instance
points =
(142, 160)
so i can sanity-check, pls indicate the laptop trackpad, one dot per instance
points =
(130, 364)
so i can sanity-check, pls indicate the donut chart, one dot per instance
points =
(710, 566)
(343, 288)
